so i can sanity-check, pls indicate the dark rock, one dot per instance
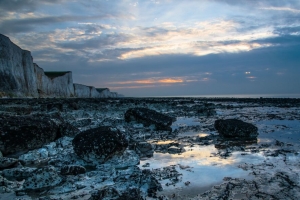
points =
(235, 128)
(72, 170)
(7, 162)
(144, 149)
(99, 143)
(18, 133)
(149, 117)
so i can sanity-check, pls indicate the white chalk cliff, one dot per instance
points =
(20, 77)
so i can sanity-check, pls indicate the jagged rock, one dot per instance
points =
(7, 162)
(72, 170)
(149, 117)
(99, 144)
(42, 178)
(235, 128)
(18, 133)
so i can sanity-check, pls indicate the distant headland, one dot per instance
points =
(20, 77)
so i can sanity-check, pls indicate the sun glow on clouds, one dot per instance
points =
(200, 39)
(157, 82)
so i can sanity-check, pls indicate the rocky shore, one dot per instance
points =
(149, 148)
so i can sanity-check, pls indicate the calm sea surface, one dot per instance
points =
(240, 96)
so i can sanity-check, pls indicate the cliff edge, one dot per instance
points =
(20, 77)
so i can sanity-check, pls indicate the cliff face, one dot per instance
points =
(20, 77)
(85, 91)
(60, 86)
(16, 70)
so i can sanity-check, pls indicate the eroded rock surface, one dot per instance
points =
(99, 144)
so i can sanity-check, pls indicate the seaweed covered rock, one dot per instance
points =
(149, 117)
(19, 133)
(99, 144)
(72, 170)
(231, 128)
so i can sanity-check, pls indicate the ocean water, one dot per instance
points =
(238, 96)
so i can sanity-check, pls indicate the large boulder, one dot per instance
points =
(19, 133)
(149, 117)
(99, 144)
(231, 128)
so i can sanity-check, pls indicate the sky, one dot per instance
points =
(163, 47)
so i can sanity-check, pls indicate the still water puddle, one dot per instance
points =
(185, 121)
(199, 168)
(283, 130)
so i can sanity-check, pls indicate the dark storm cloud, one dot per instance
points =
(23, 5)
(29, 24)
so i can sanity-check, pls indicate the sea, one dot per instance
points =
(234, 96)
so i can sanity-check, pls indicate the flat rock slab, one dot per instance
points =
(149, 117)
(235, 128)
(99, 144)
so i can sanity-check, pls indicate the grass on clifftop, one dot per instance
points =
(55, 74)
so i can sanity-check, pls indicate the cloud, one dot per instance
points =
(287, 9)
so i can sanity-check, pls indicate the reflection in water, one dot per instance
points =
(200, 168)
(283, 130)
